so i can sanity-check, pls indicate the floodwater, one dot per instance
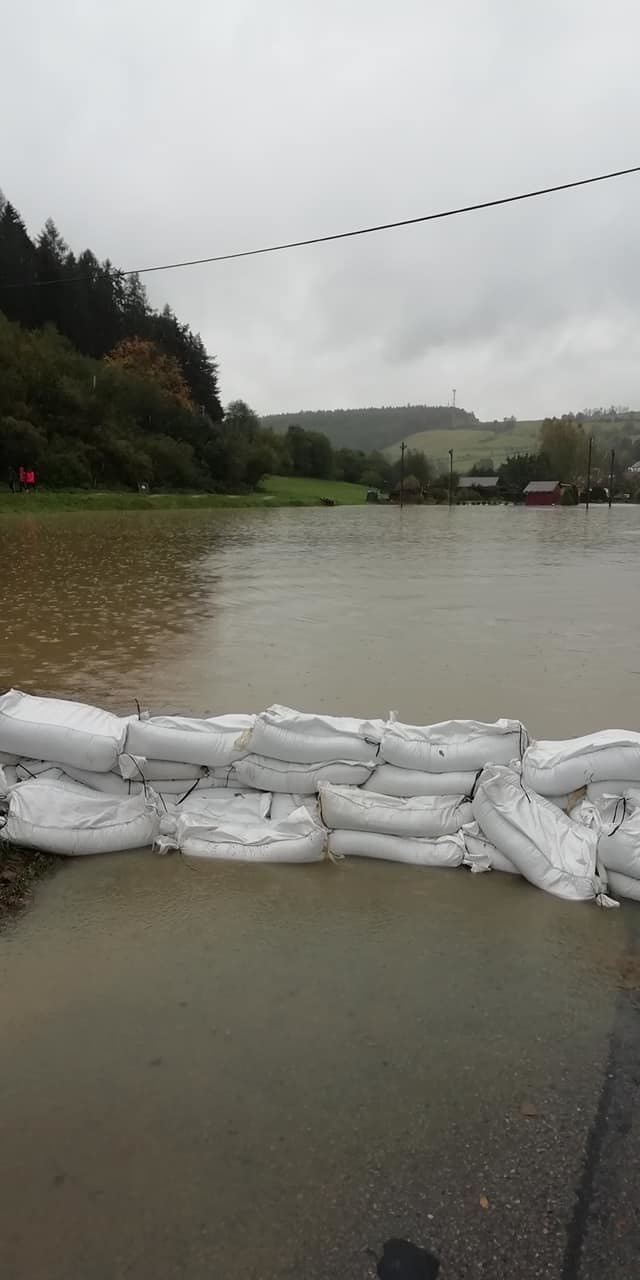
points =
(264, 1073)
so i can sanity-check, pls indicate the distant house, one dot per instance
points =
(543, 493)
(484, 484)
(410, 490)
(634, 469)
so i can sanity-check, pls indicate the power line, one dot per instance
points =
(342, 235)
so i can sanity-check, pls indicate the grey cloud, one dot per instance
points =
(153, 134)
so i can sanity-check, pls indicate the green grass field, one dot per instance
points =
(499, 441)
(470, 446)
(275, 491)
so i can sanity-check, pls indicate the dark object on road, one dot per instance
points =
(402, 1260)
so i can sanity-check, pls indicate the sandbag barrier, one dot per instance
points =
(285, 786)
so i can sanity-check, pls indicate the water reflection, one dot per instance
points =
(470, 612)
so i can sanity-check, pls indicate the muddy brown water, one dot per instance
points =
(267, 1072)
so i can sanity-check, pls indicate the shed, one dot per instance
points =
(543, 493)
(488, 484)
(411, 490)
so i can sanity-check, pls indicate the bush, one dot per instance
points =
(569, 497)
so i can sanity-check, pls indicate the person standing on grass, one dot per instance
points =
(12, 477)
(30, 478)
(22, 476)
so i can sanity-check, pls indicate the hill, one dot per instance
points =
(471, 445)
(500, 440)
(371, 428)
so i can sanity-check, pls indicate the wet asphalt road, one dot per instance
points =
(267, 1075)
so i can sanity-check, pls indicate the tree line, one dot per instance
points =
(372, 428)
(563, 455)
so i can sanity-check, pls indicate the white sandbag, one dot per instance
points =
(389, 780)
(139, 769)
(550, 850)
(448, 851)
(33, 768)
(422, 817)
(51, 773)
(561, 802)
(176, 787)
(452, 746)
(53, 819)
(554, 768)
(8, 779)
(110, 784)
(301, 737)
(482, 855)
(284, 804)
(68, 732)
(302, 779)
(619, 842)
(188, 740)
(597, 791)
(213, 806)
(295, 839)
(220, 801)
(624, 886)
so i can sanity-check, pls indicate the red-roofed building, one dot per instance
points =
(543, 493)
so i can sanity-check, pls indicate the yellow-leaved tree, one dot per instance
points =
(144, 358)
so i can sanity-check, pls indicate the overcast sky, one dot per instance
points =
(153, 132)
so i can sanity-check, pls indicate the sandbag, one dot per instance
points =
(624, 886)
(619, 846)
(139, 769)
(224, 800)
(110, 784)
(284, 804)
(188, 740)
(49, 817)
(482, 855)
(26, 769)
(448, 851)
(546, 846)
(389, 780)
(302, 779)
(452, 746)
(597, 791)
(67, 732)
(53, 773)
(554, 768)
(617, 824)
(300, 737)
(295, 839)
(8, 779)
(215, 805)
(426, 817)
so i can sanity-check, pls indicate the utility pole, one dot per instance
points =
(402, 452)
(451, 476)
(453, 410)
(613, 458)
(589, 471)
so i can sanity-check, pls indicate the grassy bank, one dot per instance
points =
(274, 491)
(19, 869)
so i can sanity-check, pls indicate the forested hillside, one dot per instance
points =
(97, 388)
(372, 428)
